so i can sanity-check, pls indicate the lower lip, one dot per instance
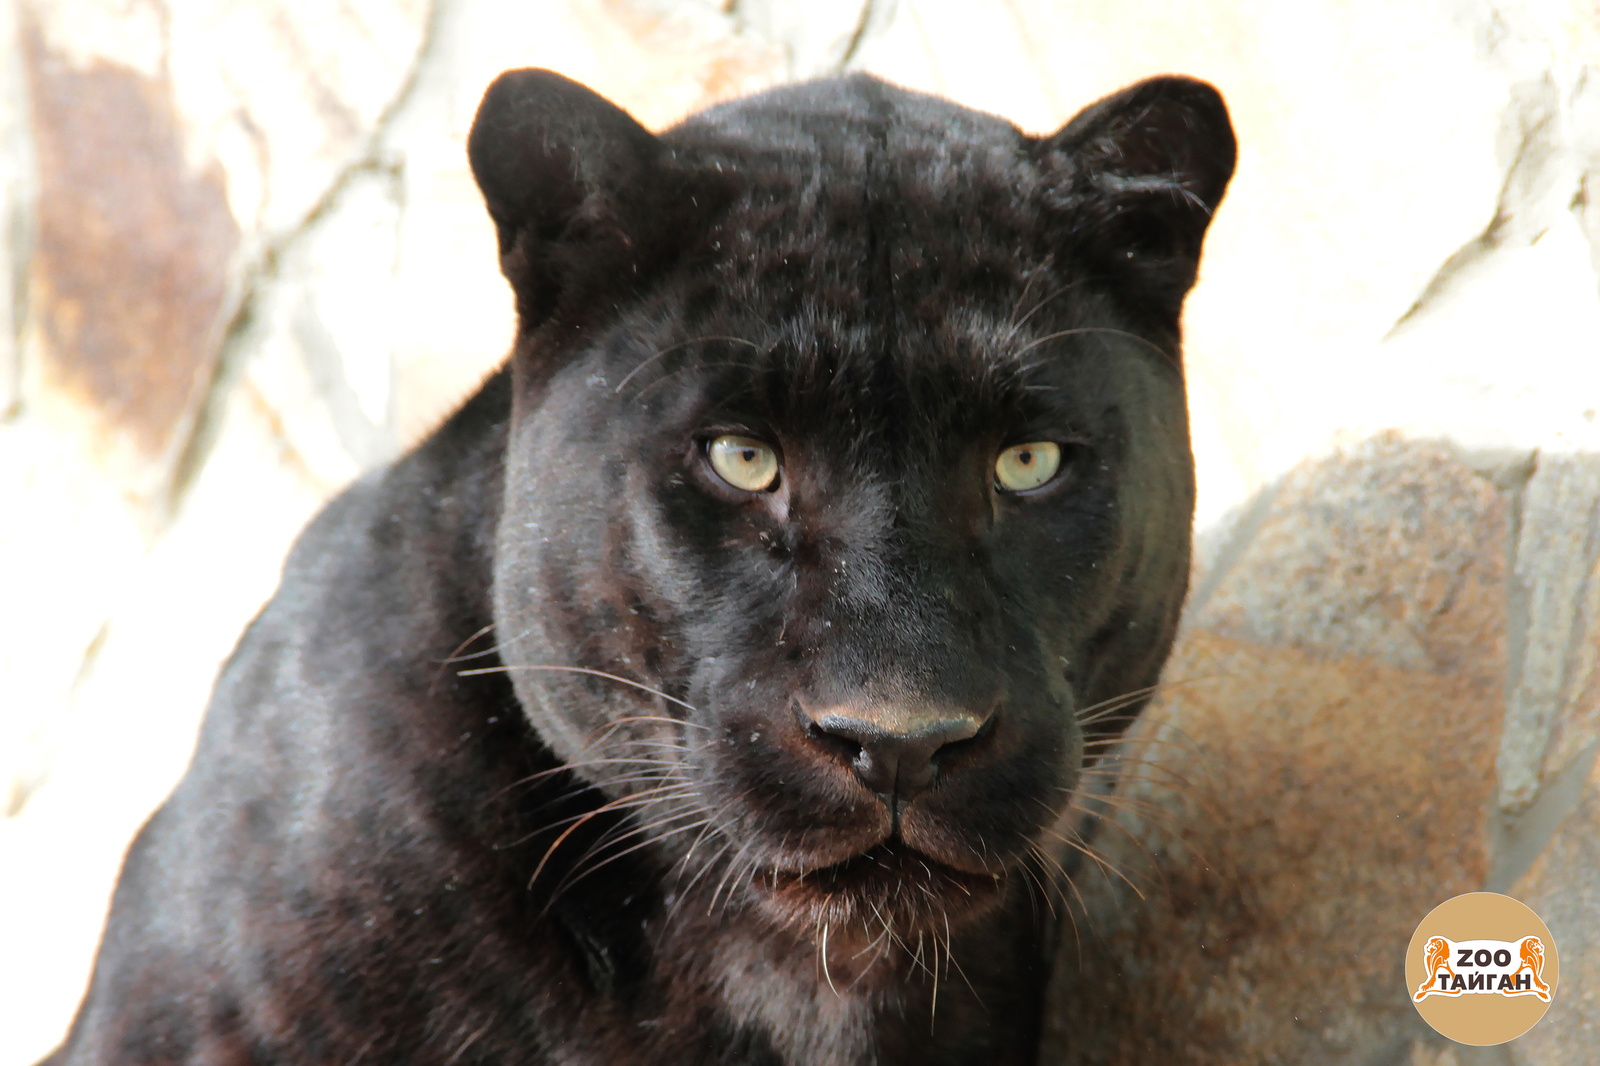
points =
(885, 875)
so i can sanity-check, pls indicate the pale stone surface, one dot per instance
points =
(1410, 244)
(16, 203)
(1564, 889)
(1552, 708)
(289, 94)
(318, 350)
(816, 38)
(123, 684)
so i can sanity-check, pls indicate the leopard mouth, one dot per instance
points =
(890, 884)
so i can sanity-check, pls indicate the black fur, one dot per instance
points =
(403, 839)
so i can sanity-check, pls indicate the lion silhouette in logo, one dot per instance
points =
(1532, 952)
(1438, 958)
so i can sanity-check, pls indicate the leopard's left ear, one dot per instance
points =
(581, 194)
(1138, 175)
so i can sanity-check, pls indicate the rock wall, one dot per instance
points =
(241, 259)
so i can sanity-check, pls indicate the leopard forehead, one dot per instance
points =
(881, 212)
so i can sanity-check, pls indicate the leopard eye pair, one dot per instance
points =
(744, 462)
(751, 465)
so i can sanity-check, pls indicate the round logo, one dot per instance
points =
(1481, 968)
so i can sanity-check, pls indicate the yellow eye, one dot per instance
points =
(744, 462)
(1026, 466)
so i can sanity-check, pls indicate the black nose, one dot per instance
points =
(894, 753)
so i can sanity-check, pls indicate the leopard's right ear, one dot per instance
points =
(568, 178)
(1138, 176)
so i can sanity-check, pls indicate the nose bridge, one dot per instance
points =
(906, 717)
(909, 593)
(923, 646)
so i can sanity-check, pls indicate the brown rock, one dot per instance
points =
(1390, 551)
(1310, 785)
(129, 273)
